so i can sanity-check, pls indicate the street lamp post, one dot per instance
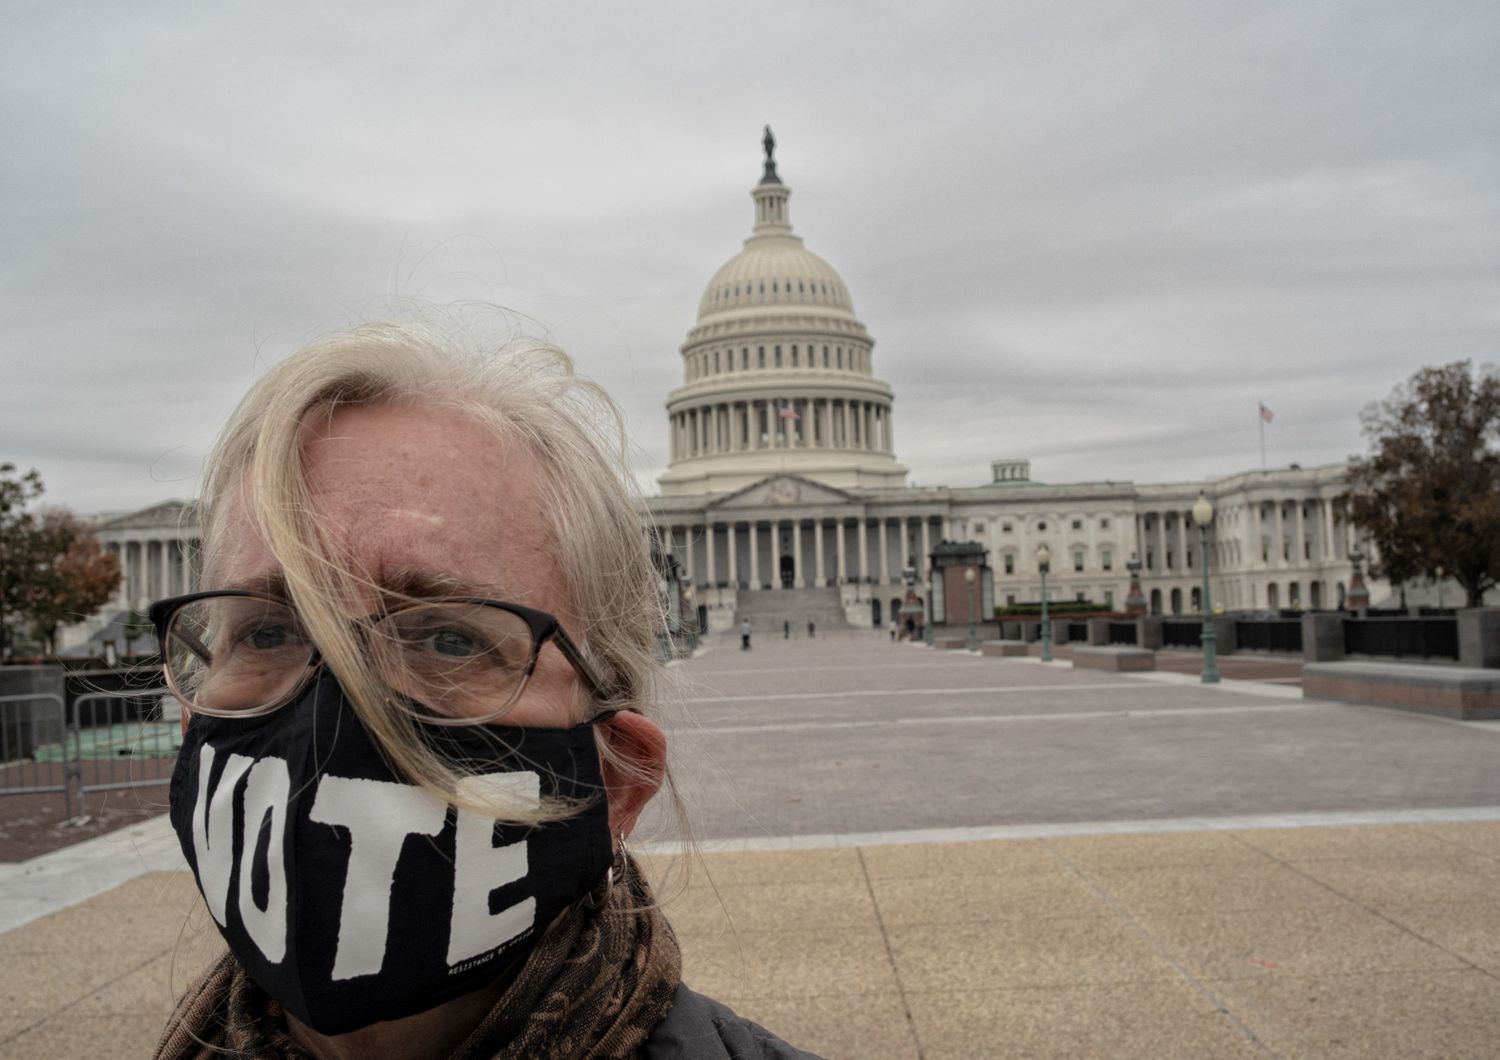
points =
(972, 578)
(1044, 562)
(1203, 515)
(927, 612)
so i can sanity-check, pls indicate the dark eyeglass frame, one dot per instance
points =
(544, 627)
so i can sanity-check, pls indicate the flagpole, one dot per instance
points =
(1260, 418)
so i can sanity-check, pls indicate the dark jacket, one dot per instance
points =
(699, 1028)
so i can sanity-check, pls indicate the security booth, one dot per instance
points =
(963, 587)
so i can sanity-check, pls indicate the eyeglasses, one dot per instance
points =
(240, 654)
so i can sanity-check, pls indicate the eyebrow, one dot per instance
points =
(404, 583)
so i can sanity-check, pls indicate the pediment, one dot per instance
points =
(782, 491)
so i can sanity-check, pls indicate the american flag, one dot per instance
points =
(1266, 414)
(786, 413)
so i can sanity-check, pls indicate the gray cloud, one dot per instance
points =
(1091, 234)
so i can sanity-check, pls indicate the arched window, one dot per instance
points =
(761, 350)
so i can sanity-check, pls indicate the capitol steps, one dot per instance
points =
(767, 609)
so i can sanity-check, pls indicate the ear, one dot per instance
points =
(643, 747)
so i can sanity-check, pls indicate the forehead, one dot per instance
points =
(418, 489)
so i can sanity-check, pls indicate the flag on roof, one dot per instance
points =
(1266, 414)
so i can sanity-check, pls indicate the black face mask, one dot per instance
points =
(352, 896)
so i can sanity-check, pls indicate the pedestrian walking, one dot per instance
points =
(786, 631)
(745, 635)
(812, 630)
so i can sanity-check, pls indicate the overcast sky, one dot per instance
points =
(1091, 234)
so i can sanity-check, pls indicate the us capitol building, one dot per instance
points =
(784, 495)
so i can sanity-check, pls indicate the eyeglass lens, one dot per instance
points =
(235, 654)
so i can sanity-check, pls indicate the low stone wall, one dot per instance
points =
(1003, 648)
(1118, 659)
(1460, 693)
(950, 643)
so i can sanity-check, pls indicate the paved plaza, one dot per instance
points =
(913, 854)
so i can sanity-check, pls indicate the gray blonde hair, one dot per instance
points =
(529, 395)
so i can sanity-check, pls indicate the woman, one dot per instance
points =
(423, 721)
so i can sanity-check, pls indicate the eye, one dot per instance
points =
(455, 643)
(268, 638)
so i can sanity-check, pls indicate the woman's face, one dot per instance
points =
(427, 501)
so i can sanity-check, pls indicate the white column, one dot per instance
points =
(1300, 545)
(709, 566)
(1182, 543)
(926, 550)
(864, 549)
(799, 580)
(890, 432)
(843, 563)
(818, 548)
(844, 419)
(164, 570)
(885, 556)
(1280, 536)
(754, 557)
(734, 565)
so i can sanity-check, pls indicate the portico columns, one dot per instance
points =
(864, 549)
(1301, 545)
(818, 548)
(885, 564)
(709, 563)
(798, 579)
(754, 557)
(838, 540)
(734, 564)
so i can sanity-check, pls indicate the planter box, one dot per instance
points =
(1117, 659)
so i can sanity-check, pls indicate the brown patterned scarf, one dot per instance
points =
(595, 986)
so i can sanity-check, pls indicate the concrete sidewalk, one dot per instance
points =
(1374, 941)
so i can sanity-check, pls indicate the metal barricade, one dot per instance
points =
(33, 747)
(124, 739)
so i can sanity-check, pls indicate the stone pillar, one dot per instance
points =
(754, 556)
(1182, 543)
(1322, 637)
(1299, 546)
(799, 577)
(1328, 550)
(843, 563)
(1479, 637)
(734, 549)
(1148, 632)
(710, 563)
(922, 572)
(1280, 527)
(818, 548)
(890, 432)
(885, 555)
(844, 415)
(864, 549)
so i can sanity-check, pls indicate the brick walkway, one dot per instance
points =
(1055, 930)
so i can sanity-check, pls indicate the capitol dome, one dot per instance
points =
(777, 370)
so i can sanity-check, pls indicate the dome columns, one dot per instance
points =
(758, 424)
